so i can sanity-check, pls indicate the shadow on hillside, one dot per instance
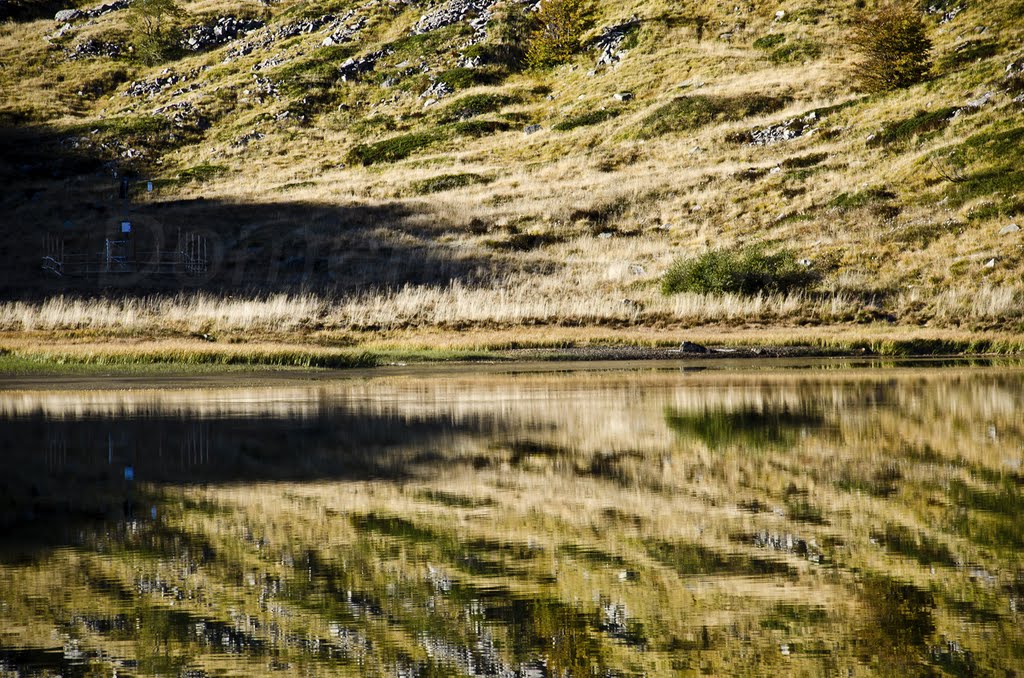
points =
(58, 189)
(31, 10)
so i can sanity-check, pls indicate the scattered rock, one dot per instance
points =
(531, 129)
(354, 67)
(477, 12)
(690, 347)
(1008, 229)
(437, 90)
(947, 14)
(344, 33)
(247, 139)
(609, 42)
(223, 29)
(184, 115)
(149, 88)
(991, 263)
(774, 134)
(92, 48)
(623, 96)
(66, 15)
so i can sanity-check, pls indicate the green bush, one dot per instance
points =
(156, 29)
(558, 32)
(750, 270)
(390, 150)
(686, 113)
(587, 119)
(447, 182)
(894, 47)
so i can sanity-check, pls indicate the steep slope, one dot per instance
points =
(356, 146)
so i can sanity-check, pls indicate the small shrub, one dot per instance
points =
(558, 31)
(389, 150)
(799, 51)
(769, 41)
(476, 104)
(587, 119)
(894, 47)
(750, 270)
(447, 182)
(156, 29)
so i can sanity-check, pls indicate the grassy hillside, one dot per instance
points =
(363, 152)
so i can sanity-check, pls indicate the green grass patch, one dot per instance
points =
(968, 52)
(390, 150)
(769, 41)
(750, 270)
(587, 119)
(464, 78)
(794, 52)
(480, 128)
(691, 112)
(919, 124)
(320, 70)
(476, 104)
(202, 173)
(993, 163)
(448, 182)
(802, 161)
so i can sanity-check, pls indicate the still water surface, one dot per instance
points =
(660, 520)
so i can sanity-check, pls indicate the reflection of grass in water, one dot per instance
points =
(900, 539)
(694, 559)
(754, 428)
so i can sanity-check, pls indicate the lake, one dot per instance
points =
(796, 518)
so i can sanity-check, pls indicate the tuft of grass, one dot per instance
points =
(691, 112)
(587, 119)
(447, 182)
(750, 270)
(390, 150)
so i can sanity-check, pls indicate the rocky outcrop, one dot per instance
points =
(92, 48)
(183, 115)
(784, 131)
(476, 12)
(218, 32)
(609, 42)
(68, 15)
(355, 67)
(166, 79)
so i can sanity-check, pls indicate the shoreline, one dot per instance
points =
(70, 353)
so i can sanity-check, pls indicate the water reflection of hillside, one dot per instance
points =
(607, 522)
